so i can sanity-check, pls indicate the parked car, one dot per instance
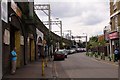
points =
(60, 54)
(78, 49)
(81, 49)
(72, 50)
(66, 52)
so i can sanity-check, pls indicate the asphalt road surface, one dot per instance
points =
(79, 65)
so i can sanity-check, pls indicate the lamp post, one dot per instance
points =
(60, 22)
(44, 7)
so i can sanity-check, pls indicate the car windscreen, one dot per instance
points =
(60, 52)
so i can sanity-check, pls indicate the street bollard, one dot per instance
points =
(109, 58)
(113, 57)
(43, 73)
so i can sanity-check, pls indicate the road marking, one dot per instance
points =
(55, 73)
(104, 62)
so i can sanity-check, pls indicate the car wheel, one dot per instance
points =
(65, 56)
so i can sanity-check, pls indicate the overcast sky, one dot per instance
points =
(80, 16)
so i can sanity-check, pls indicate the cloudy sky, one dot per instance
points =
(80, 16)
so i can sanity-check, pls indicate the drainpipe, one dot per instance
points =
(110, 41)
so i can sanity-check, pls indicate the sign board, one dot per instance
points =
(4, 11)
(113, 35)
(21, 40)
(39, 35)
(16, 8)
(6, 37)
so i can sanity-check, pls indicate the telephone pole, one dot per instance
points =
(54, 23)
(44, 7)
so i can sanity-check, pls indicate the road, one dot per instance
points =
(79, 65)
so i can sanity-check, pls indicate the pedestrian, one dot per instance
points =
(116, 53)
(13, 60)
(39, 52)
(56, 49)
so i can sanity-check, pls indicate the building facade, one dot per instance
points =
(115, 24)
(17, 32)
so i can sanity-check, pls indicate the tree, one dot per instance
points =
(93, 42)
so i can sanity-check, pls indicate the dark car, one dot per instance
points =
(59, 55)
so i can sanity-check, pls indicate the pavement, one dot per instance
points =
(107, 61)
(60, 71)
(32, 70)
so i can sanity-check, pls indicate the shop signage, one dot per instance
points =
(16, 8)
(113, 35)
(4, 11)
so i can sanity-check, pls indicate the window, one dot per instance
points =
(116, 22)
